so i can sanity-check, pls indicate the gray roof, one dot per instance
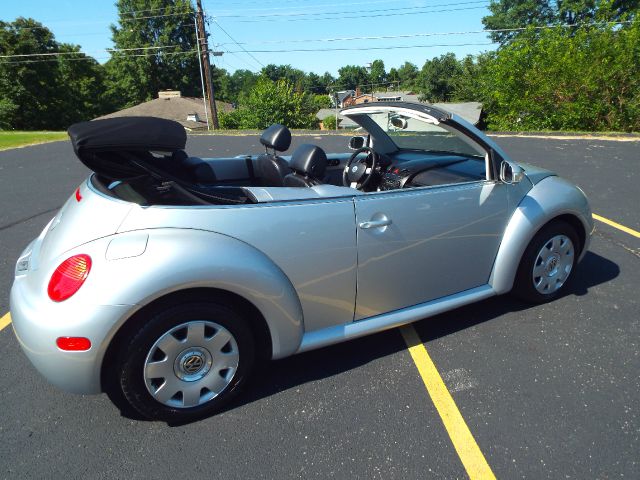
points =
(174, 108)
(470, 111)
(404, 96)
(344, 121)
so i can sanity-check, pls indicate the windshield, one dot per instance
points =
(409, 133)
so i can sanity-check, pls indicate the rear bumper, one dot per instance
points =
(38, 322)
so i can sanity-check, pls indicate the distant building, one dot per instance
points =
(407, 96)
(344, 98)
(171, 105)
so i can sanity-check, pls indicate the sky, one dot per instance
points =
(312, 35)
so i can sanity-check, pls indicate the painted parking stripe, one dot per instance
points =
(472, 458)
(5, 320)
(613, 224)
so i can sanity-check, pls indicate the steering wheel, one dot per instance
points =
(358, 172)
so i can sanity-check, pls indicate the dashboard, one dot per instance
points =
(406, 169)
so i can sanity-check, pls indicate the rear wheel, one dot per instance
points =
(186, 362)
(547, 264)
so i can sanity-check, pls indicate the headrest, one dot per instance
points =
(309, 160)
(277, 137)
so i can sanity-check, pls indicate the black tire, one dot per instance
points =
(524, 286)
(136, 384)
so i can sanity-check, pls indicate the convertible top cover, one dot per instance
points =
(112, 146)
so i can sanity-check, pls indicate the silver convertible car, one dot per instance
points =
(166, 278)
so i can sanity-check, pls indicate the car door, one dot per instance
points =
(416, 245)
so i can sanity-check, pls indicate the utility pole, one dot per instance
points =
(204, 59)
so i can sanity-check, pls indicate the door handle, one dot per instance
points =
(375, 223)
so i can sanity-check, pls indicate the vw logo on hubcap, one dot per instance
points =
(193, 364)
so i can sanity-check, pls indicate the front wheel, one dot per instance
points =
(186, 362)
(547, 264)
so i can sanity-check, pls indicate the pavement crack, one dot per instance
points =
(18, 222)
(633, 251)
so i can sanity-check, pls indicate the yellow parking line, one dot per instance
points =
(472, 458)
(613, 224)
(5, 320)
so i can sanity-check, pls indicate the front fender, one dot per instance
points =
(548, 199)
(178, 259)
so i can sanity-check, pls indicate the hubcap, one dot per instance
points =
(191, 364)
(553, 264)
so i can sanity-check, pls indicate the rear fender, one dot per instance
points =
(548, 199)
(179, 259)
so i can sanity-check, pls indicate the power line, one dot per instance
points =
(431, 34)
(236, 42)
(337, 39)
(317, 5)
(87, 58)
(368, 11)
(364, 49)
(111, 50)
(347, 17)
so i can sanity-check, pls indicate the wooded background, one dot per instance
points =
(560, 65)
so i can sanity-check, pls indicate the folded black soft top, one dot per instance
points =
(128, 134)
(111, 146)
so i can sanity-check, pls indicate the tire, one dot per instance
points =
(186, 362)
(547, 264)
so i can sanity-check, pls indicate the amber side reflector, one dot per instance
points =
(73, 344)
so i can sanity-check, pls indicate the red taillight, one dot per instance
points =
(78, 195)
(73, 344)
(69, 277)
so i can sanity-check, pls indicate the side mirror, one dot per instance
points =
(356, 143)
(511, 173)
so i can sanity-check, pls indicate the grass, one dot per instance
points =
(13, 139)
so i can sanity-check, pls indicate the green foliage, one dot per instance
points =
(506, 14)
(352, 76)
(436, 80)
(557, 79)
(272, 102)
(408, 75)
(377, 75)
(510, 14)
(329, 122)
(135, 79)
(49, 94)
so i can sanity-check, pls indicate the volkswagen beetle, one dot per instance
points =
(166, 278)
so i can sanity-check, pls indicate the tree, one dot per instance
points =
(272, 102)
(285, 72)
(407, 75)
(509, 14)
(469, 85)
(83, 79)
(235, 85)
(45, 92)
(378, 75)
(156, 51)
(437, 78)
(588, 79)
(352, 76)
(518, 14)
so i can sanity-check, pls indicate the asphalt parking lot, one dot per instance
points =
(551, 391)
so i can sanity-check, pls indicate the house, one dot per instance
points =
(399, 96)
(344, 98)
(171, 105)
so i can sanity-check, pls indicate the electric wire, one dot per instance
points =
(236, 42)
